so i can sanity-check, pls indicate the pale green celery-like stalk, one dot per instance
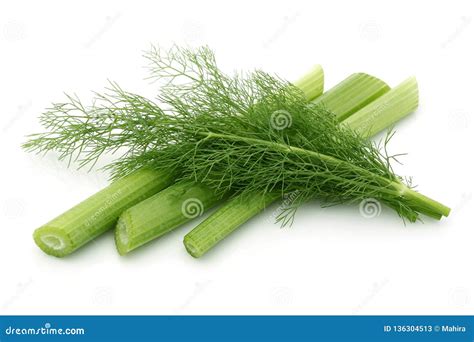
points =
(161, 213)
(238, 210)
(231, 215)
(386, 110)
(352, 94)
(166, 210)
(312, 84)
(98, 213)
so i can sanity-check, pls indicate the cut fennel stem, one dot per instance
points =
(312, 84)
(368, 121)
(99, 213)
(189, 199)
(386, 110)
(158, 215)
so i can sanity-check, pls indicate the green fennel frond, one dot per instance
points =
(240, 133)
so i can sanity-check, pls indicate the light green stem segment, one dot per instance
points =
(312, 84)
(161, 213)
(231, 215)
(352, 94)
(386, 110)
(98, 213)
(238, 210)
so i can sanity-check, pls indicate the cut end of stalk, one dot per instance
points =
(424, 204)
(352, 94)
(386, 110)
(192, 248)
(312, 84)
(122, 240)
(53, 241)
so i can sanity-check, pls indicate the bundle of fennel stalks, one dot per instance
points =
(239, 142)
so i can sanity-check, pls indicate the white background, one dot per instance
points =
(332, 261)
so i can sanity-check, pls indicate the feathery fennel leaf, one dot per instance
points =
(244, 133)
